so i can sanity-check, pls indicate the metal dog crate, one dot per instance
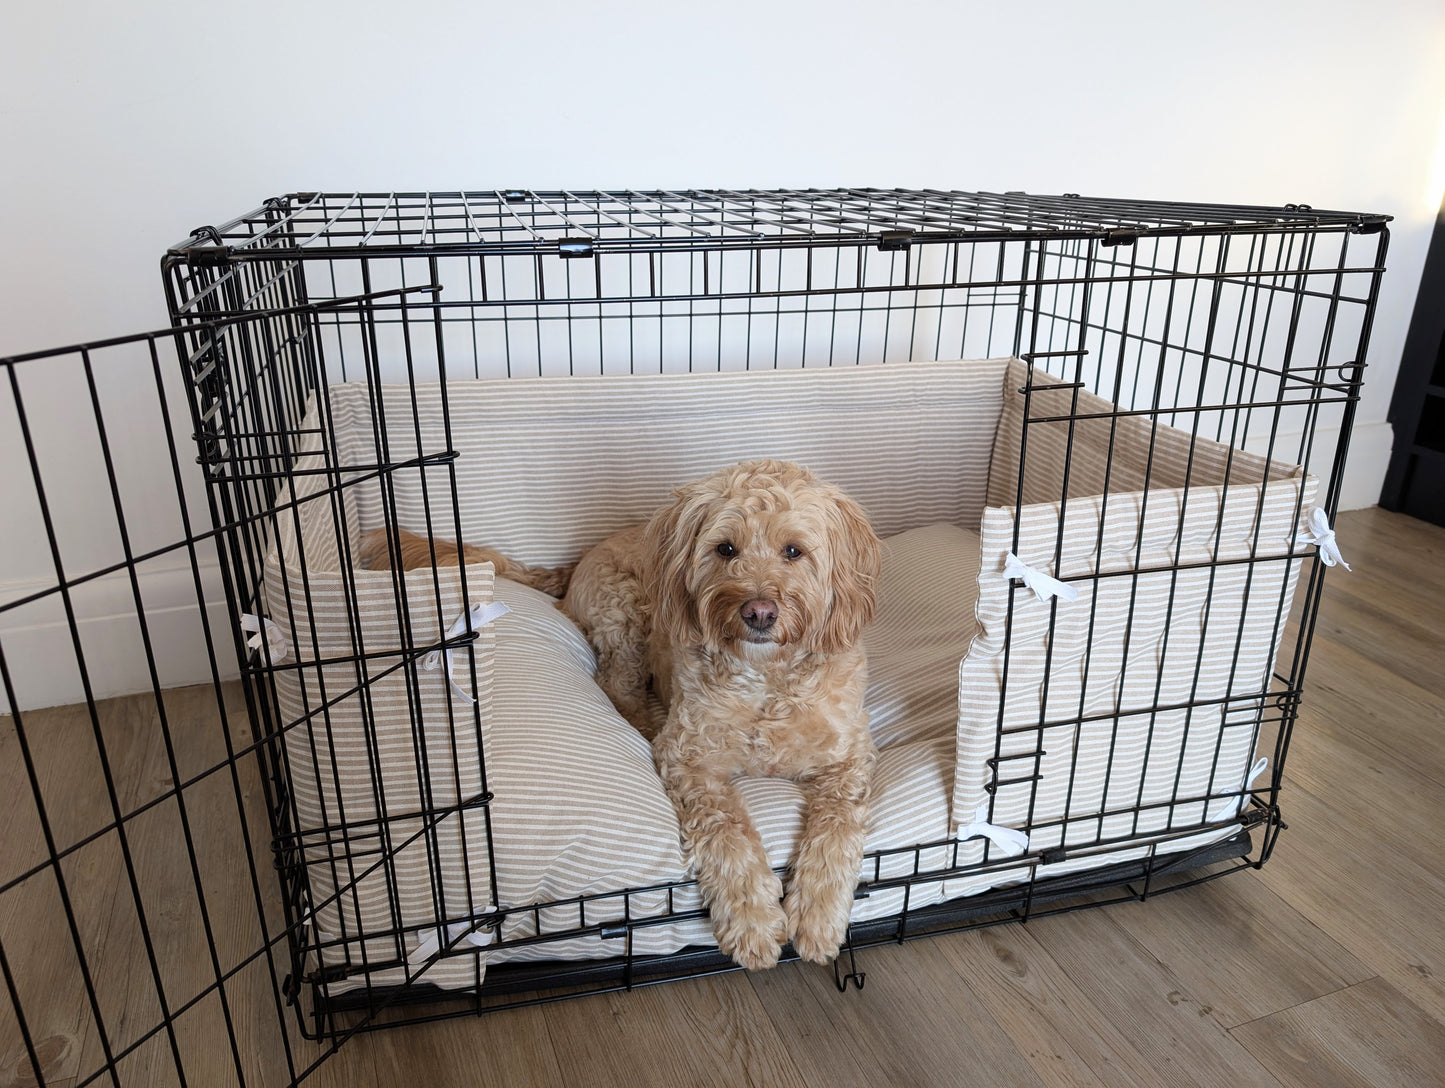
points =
(1243, 325)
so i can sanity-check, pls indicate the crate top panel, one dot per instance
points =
(580, 223)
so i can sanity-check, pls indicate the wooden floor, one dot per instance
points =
(1325, 968)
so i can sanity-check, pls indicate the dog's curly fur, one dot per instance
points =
(743, 602)
(740, 606)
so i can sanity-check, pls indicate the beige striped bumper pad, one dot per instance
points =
(1077, 752)
(420, 855)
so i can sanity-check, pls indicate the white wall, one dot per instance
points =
(124, 125)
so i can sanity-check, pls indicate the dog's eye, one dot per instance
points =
(792, 551)
(726, 550)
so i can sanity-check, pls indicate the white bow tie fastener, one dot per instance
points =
(1317, 531)
(476, 933)
(479, 616)
(1010, 841)
(1043, 585)
(264, 631)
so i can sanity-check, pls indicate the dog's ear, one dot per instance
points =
(669, 542)
(857, 556)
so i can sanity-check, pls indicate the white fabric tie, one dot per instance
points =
(477, 933)
(1010, 841)
(477, 618)
(315, 923)
(1043, 585)
(1317, 531)
(1232, 806)
(274, 637)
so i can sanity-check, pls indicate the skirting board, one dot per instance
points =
(1370, 446)
(40, 652)
(41, 659)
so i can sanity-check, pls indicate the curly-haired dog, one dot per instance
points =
(743, 601)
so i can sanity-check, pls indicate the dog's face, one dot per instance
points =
(761, 556)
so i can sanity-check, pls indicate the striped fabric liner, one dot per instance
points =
(419, 856)
(927, 594)
(1077, 744)
(547, 467)
(1112, 453)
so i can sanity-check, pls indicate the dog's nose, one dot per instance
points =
(760, 614)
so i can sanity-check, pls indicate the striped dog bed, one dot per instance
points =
(1019, 735)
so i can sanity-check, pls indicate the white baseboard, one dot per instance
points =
(41, 655)
(1369, 457)
(1370, 448)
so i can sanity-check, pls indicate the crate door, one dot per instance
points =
(144, 935)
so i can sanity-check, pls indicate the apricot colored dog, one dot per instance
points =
(740, 606)
(743, 603)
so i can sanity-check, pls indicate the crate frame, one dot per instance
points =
(312, 288)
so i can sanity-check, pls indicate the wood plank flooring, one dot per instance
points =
(1326, 968)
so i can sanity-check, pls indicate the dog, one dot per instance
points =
(727, 631)
(741, 605)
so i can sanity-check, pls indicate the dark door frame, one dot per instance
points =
(1424, 344)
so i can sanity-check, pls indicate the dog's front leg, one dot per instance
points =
(830, 852)
(742, 893)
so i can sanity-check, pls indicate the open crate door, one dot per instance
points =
(142, 937)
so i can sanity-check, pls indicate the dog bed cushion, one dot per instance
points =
(578, 811)
(926, 448)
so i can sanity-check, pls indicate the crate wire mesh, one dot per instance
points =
(1244, 325)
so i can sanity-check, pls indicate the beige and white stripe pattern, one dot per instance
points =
(1081, 705)
(384, 829)
(1072, 431)
(546, 467)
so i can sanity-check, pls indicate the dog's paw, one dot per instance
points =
(816, 927)
(758, 948)
(752, 931)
